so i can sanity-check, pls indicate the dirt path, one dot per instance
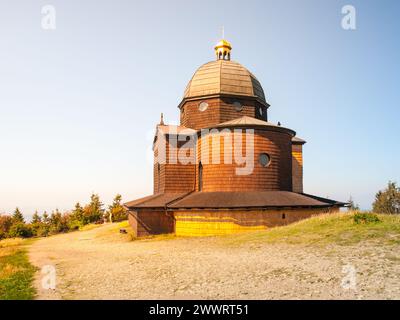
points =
(102, 264)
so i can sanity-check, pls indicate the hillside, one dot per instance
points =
(306, 260)
(338, 229)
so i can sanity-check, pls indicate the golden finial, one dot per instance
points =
(223, 50)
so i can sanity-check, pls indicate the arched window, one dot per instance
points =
(200, 176)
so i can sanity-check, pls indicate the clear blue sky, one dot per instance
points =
(78, 105)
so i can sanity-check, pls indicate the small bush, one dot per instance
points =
(74, 225)
(41, 229)
(116, 212)
(365, 218)
(120, 216)
(20, 230)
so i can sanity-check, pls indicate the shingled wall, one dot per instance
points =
(220, 222)
(219, 110)
(276, 176)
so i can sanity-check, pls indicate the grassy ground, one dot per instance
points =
(337, 228)
(16, 272)
(305, 260)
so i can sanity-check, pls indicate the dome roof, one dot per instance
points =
(224, 77)
(223, 43)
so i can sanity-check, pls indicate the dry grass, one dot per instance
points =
(111, 233)
(8, 270)
(89, 227)
(6, 243)
(338, 228)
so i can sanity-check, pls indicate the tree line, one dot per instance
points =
(386, 201)
(42, 225)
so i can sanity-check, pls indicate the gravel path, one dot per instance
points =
(102, 264)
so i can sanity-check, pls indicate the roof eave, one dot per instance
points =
(265, 207)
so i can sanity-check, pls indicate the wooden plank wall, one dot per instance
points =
(213, 223)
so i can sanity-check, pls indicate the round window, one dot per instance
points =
(264, 159)
(238, 106)
(203, 106)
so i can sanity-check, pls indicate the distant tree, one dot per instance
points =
(116, 212)
(387, 200)
(5, 225)
(58, 222)
(64, 222)
(77, 217)
(43, 229)
(94, 211)
(45, 218)
(78, 211)
(36, 223)
(17, 216)
(352, 206)
(36, 218)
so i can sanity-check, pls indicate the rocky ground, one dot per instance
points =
(103, 264)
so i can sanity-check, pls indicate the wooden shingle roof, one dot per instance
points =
(248, 199)
(224, 77)
(251, 122)
(231, 200)
(159, 200)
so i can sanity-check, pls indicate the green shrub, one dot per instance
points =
(40, 229)
(20, 230)
(116, 212)
(120, 216)
(43, 230)
(366, 217)
(74, 225)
